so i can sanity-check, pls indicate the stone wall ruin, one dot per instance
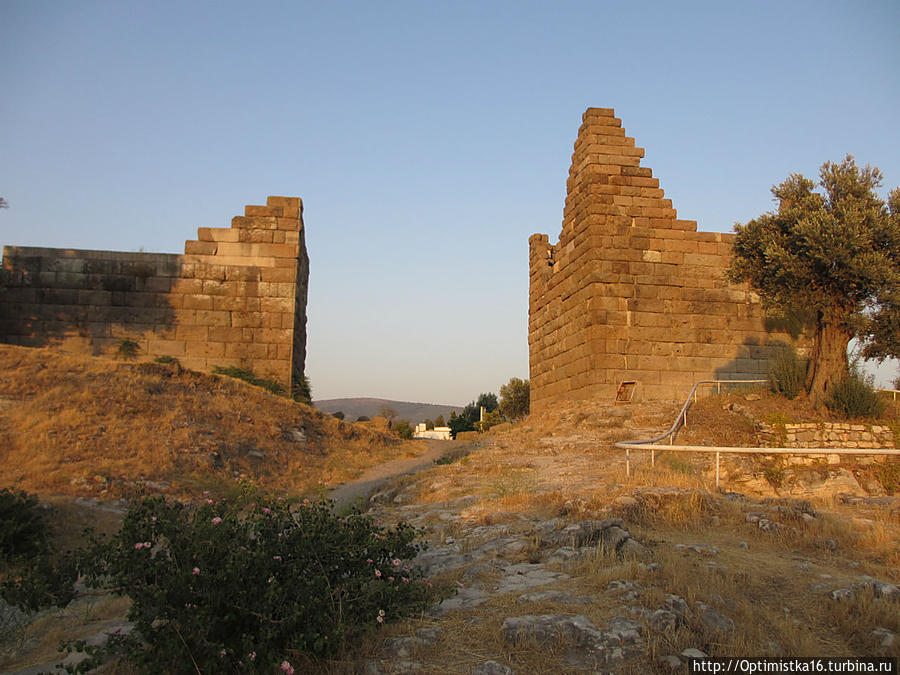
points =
(631, 292)
(236, 297)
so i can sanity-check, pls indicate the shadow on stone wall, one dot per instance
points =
(86, 301)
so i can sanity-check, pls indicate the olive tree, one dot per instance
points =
(832, 255)
(515, 398)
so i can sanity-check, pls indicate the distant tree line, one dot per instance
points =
(512, 405)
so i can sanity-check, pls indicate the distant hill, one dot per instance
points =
(369, 407)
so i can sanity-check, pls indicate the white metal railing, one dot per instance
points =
(681, 421)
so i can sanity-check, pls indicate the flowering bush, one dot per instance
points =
(32, 574)
(241, 585)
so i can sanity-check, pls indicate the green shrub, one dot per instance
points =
(167, 359)
(127, 350)
(853, 396)
(491, 419)
(34, 576)
(241, 585)
(247, 375)
(786, 372)
(23, 532)
(301, 390)
(403, 429)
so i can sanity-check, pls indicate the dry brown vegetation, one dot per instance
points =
(559, 464)
(89, 426)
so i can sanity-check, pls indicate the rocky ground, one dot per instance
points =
(562, 563)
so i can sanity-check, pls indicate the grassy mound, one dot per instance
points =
(88, 426)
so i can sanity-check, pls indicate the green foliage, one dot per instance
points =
(167, 359)
(487, 401)
(836, 254)
(363, 418)
(127, 350)
(403, 429)
(853, 396)
(882, 331)
(515, 398)
(786, 372)
(247, 375)
(888, 474)
(439, 421)
(34, 577)
(774, 473)
(338, 415)
(491, 419)
(243, 583)
(301, 389)
(23, 532)
(429, 425)
(458, 423)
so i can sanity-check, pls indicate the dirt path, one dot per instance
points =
(346, 494)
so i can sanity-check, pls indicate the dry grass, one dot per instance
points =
(561, 464)
(75, 425)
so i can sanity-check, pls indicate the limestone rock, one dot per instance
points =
(670, 662)
(883, 637)
(492, 668)
(714, 621)
(552, 596)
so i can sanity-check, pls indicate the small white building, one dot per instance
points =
(438, 433)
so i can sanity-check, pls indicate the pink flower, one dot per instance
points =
(195, 571)
(138, 546)
(390, 578)
(276, 557)
(208, 501)
(396, 562)
(216, 520)
(377, 574)
(267, 511)
(404, 580)
(369, 560)
(222, 653)
(287, 667)
(379, 619)
(252, 656)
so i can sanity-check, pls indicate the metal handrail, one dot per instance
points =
(681, 420)
(651, 444)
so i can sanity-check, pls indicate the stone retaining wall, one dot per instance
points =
(236, 297)
(826, 434)
(631, 292)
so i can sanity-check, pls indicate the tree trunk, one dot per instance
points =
(828, 363)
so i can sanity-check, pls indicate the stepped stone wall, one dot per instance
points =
(631, 292)
(236, 297)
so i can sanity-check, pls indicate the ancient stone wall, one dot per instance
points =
(631, 292)
(236, 297)
(825, 434)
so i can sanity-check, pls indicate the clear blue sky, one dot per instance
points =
(428, 140)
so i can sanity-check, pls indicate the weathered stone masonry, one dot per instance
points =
(631, 292)
(236, 297)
